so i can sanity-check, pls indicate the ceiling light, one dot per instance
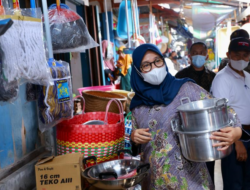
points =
(165, 5)
(177, 9)
(188, 4)
(247, 1)
(209, 40)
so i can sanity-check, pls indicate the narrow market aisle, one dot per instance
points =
(217, 176)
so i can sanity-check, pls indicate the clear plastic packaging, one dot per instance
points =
(68, 31)
(8, 91)
(55, 101)
(23, 47)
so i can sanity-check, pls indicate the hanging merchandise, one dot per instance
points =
(8, 91)
(55, 101)
(157, 35)
(31, 89)
(137, 38)
(68, 30)
(100, 140)
(109, 48)
(129, 49)
(128, 130)
(183, 30)
(2, 11)
(107, 53)
(23, 48)
(123, 20)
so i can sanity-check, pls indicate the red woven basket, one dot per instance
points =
(102, 141)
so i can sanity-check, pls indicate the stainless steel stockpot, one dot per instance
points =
(209, 114)
(197, 146)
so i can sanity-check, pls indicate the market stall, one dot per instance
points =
(65, 93)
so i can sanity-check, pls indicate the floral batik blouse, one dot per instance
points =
(169, 169)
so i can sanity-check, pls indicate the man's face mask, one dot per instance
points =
(175, 57)
(239, 65)
(198, 60)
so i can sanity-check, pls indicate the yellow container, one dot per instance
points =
(123, 93)
(120, 92)
(130, 96)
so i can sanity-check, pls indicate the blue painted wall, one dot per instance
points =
(18, 129)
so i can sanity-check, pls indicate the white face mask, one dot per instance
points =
(239, 65)
(155, 76)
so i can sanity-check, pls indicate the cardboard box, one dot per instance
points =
(59, 173)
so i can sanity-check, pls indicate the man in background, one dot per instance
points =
(197, 71)
(233, 83)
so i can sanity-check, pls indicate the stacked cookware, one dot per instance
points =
(199, 119)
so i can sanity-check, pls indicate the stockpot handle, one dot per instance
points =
(174, 124)
(185, 98)
(139, 168)
(221, 102)
(101, 175)
(124, 151)
(84, 161)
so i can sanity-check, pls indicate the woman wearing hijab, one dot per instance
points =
(124, 64)
(157, 95)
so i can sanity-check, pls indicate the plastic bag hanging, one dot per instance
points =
(55, 101)
(8, 91)
(23, 47)
(68, 30)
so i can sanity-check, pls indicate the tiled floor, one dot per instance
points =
(217, 176)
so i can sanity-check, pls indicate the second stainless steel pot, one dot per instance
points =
(209, 114)
(197, 146)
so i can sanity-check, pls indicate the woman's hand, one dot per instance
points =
(241, 151)
(226, 136)
(141, 136)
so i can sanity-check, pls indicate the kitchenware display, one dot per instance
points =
(115, 175)
(209, 114)
(197, 145)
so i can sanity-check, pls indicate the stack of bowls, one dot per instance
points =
(199, 119)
